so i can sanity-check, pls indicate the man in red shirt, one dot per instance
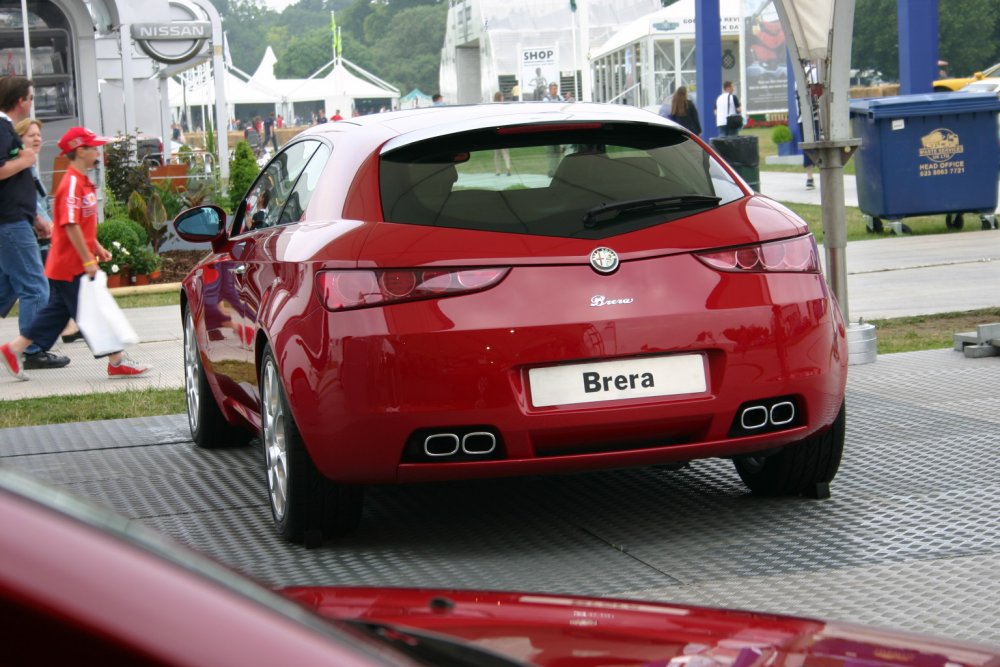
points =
(74, 254)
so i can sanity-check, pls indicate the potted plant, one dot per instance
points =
(120, 237)
(784, 140)
(143, 266)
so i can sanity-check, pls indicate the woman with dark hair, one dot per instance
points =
(683, 111)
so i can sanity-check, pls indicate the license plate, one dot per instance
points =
(617, 380)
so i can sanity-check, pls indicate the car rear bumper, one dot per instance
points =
(461, 365)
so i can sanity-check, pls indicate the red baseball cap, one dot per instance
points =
(80, 136)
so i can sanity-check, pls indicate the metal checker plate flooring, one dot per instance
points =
(910, 538)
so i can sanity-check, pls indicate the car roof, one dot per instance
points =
(400, 128)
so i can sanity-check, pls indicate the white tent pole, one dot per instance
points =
(165, 118)
(221, 108)
(583, 8)
(576, 59)
(187, 108)
(128, 80)
(27, 47)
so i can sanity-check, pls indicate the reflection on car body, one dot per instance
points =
(91, 587)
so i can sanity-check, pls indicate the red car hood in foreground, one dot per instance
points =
(575, 631)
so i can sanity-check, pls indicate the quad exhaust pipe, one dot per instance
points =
(758, 416)
(443, 445)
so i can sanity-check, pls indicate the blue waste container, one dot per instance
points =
(927, 154)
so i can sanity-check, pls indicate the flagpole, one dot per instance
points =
(333, 36)
(27, 47)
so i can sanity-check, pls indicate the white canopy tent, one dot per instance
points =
(647, 59)
(339, 89)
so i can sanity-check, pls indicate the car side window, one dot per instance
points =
(271, 190)
(298, 200)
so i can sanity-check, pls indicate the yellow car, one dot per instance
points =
(945, 85)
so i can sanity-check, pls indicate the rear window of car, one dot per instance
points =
(582, 181)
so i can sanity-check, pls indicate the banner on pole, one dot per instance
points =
(539, 68)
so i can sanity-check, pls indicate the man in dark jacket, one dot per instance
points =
(22, 276)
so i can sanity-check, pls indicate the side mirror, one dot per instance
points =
(201, 224)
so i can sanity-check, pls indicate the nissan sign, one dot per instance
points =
(175, 42)
(172, 31)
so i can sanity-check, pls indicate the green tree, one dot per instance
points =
(243, 169)
(305, 54)
(244, 21)
(398, 40)
(876, 38)
(411, 49)
(968, 36)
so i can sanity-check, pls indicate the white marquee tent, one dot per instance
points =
(647, 59)
(339, 89)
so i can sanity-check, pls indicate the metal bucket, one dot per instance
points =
(861, 344)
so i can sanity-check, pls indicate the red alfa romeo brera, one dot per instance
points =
(507, 289)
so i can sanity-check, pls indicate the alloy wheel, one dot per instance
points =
(275, 440)
(192, 371)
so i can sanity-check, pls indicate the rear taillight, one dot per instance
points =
(798, 254)
(347, 290)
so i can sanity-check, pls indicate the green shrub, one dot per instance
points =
(242, 171)
(114, 207)
(173, 201)
(151, 216)
(124, 172)
(144, 261)
(210, 139)
(120, 237)
(139, 231)
(781, 134)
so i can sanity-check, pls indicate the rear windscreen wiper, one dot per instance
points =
(432, 649)
(608, 212)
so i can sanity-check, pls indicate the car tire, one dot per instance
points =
(209, 428)
(796, 469)
(303, 502)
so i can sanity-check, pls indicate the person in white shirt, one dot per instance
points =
(727, 105)
(553, 152)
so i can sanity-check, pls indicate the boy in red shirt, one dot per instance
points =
(74, 254)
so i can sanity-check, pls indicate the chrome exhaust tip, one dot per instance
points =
(441, 444)
(754, 417)
(782, 413)
(479, 443)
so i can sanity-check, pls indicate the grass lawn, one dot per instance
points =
(766, 147)
(92, 407)
(171, 298)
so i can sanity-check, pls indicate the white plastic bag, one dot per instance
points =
(101, 321)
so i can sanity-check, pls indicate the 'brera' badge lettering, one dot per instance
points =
(595, 382)
(617, 380)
